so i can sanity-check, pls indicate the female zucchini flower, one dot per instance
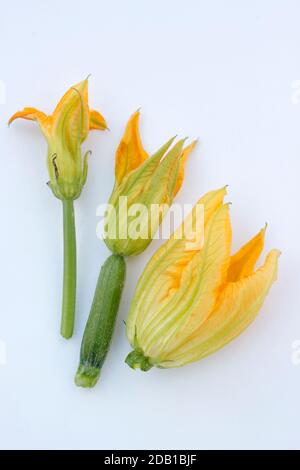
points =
(141, 182)
(144, 190)
(190, 302)
(65, 130)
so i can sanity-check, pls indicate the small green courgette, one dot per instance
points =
(100, 326)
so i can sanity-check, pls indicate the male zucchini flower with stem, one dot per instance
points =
(142, 181)
(65, 130)
(191, 302)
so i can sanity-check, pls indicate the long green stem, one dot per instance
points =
(69, 282)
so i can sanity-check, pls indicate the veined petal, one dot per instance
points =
(171, 253)
(136, 182)
(97, 121)
(242, 264)
(130, 153)
(33, 114)
(194, 295)
(184, 156)
(160, 187)
(238, 305)
(71, 116)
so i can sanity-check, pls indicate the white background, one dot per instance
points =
(223, 71)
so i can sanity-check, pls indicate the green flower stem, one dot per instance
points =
(69, 282)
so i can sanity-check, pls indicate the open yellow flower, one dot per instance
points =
(142, 183)
(65, 131)
(191, 302)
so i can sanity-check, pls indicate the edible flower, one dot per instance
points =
(143, 191)
(193, 299)
(65, 130)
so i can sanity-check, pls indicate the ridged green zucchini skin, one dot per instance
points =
(100, 326)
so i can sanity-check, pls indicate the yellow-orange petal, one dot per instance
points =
(71, 115)
(242, 264)
(97, 121)
(194, 298)
(130, 153)
(184, 156)
(238, 306)
(171, 255)
(33, 114)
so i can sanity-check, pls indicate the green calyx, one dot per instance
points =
(68, 173)
(137, 360)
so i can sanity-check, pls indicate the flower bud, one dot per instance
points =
(144, 190)
(65, 131)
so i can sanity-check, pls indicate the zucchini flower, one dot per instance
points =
(65, 130)
(143, 182)
(190, 302)
(143, 185)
